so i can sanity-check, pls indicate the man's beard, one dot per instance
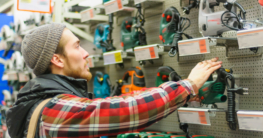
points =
(76, 72)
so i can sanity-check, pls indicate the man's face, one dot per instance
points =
(75, 63)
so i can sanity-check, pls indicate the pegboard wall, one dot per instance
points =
(249, 69)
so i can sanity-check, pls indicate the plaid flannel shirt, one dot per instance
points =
(75, 117)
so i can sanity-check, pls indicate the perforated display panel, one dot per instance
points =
(249, 69)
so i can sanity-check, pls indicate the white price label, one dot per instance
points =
(87, 15)
(138, 1)
(12, 76)
(248, 120)
(112, 57)
(194, 117)
(23, 77)
(193, 46)
(250, 38)
(143, 53)
(113, 6)
(90, 62)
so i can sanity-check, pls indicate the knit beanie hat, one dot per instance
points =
(39, 45)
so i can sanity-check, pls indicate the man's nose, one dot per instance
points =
(85, 53)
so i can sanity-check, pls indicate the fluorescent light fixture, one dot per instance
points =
(90, 3)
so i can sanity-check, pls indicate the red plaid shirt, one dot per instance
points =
(71, 116)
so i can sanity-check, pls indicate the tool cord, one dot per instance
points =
(183, 24)
(231, 113)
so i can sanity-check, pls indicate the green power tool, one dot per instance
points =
(129, 35)
(164, 73)
(172, 28)
(132, 31)
(213, 91)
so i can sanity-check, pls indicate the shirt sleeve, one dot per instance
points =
(71, 116)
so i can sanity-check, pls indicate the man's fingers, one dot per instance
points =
(212, 64)
(214, 59)
(214, 68)
(206, 62)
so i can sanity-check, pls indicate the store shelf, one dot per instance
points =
(231, 42)
(94, 15)
(149, 2)
(118, 7)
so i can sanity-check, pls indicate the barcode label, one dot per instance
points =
(146, 52)
(250, 38)
(250, 120)
(193, 46)
(194, 117)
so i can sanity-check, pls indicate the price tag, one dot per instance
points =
(138, 1)
(118, 57)
(87, 15)
(23, 77)
(113, 6)
(112, 57)
(12, 76)
(250, 38)
(90, 62)
(194, 46)
(194, 116)
(250, 120)
(146, 52)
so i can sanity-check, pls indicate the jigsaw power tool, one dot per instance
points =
(212, 92)
(213, 23)
(172, 28)
(129, 35)
(101, 34)
(137, 81)
(166, 73)
(132, 32)
(101, 85)
(108, 44)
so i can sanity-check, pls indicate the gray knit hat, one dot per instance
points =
(40, 44)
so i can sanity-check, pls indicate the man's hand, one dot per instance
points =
(201, 72)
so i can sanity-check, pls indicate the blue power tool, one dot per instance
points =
(101, 35)
(101, 85)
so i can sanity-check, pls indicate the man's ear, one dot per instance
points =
(58, 60)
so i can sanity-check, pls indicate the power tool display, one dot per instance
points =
(137, 81)
(132, 32)
(210, 22)
(212, 92)
(192, 4)
(166, 73)
(108, 44)
(129, 35)
(101, 85)
(101, 34)
(172, 28)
